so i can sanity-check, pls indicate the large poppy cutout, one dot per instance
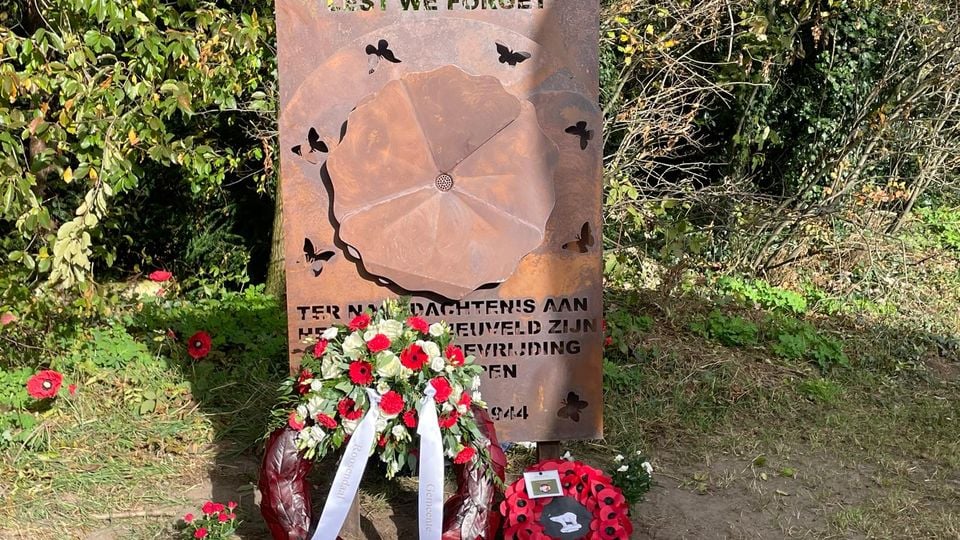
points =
(443, 182)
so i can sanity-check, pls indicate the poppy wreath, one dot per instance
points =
(583, 486)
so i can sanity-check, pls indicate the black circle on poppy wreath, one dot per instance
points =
(590, 507)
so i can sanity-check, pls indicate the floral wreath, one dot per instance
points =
(397, 355)
(585, 491)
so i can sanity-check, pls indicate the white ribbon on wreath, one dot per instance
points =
(346, 482)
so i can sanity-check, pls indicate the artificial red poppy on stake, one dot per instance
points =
(198, 346)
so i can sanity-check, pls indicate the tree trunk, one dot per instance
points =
(275, 274)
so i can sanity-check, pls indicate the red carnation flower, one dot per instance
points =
(455, 355)
(231, 505)
(346, 409)
(391, 403)
(294, 421)
(209, 507)
(160, 276)
(302, 385)
(188, 518)
(325, 421)
(448, 420)
(442, 386)
(360, 322)
(378, 343)
(198, 345)
(44, 384)
(223, 518)
(361, 373)
(201, 533)
(319, 348)
(465, 399)
(413, 357)
(418, 324)
(465, 456)
(410, 418)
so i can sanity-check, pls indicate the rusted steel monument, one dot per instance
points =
(449, 150)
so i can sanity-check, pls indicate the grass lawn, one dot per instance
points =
(750, 437)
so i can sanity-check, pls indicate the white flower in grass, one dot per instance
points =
(647, 467)
(330, 333)
(437, 363)
(623, 468)
(391, 328)
(619, 458)
(438, 329)
(639, 452)
(400, 433)
(567, 456)
(354, 346)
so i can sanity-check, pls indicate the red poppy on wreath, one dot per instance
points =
(588, 502)
(198, 345)
(325, 420)
(360, 322)
(465, 456)
(160, 276)
(418, 324)
(346, 408)
(361, 373)
(410, 418)
(319, 348)
(44, 384)
(455, 355)
(378, 343)
(448, 420)
(391, 403)
(294, 421)
(413, 357)
(302, 385)
(442, 386)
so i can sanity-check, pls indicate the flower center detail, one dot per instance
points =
(47, 384)
(444, 182)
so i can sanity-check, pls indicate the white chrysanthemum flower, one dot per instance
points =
(349, 426)
(619, 458)
(330, 333)
(462, 409)
(316, 385)
(391, 328)
(647, 467)
(330, 368)
(388, 365)
(354, 346)
(438, 329)
(623, 468)
(315, 405)
(303, 412)
(382, 422)
(429, 347)
(437, 363)
(382, 387)
(313, 435)
(400, 433)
